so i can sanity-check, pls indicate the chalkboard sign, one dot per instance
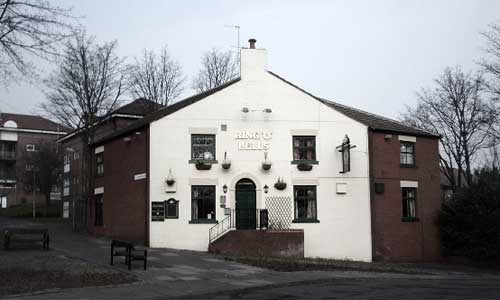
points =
(158, 211)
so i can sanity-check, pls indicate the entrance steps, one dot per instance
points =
(286, 243)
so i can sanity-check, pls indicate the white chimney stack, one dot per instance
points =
(253, 62)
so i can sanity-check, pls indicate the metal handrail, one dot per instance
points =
(229, 222)
(220, 228)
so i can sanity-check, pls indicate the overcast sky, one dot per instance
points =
(372, 55)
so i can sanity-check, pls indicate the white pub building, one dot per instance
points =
(259, 166)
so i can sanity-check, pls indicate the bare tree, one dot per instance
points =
(86, 85)
(156, 77)
(27, 28)
(491, 65)
(81, 91)
(42, 170)
(217, 68)
(456, 109)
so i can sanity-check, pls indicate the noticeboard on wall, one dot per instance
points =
(158, 211)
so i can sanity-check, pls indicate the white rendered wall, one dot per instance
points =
(344, 227)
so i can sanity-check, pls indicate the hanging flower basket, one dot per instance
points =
(170, 179)
(280, 184)
(200, 165)
(266, 165)
(304, 167)
(226, 164)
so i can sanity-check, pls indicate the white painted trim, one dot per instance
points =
(305, 181)
(99, 149)
(140, 176)
(202, 130)
(33, 131)
(99, 190)
(407, 138)
(300, 132)
(408, 183)
(203, 181)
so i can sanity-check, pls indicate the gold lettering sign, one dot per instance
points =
(253, 139)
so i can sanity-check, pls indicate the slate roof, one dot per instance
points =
(32, 122)
(373, 121)
(140, 107)
(165, 111)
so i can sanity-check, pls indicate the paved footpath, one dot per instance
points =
(196, 275)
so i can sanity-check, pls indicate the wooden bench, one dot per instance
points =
(127, 250)
(26, 235)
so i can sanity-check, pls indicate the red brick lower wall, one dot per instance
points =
(260, 243)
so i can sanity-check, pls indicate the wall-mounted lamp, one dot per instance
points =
(267, 110)
(266, 189)
(127, 139)
(224, 188)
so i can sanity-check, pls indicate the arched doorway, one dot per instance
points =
(246, 205)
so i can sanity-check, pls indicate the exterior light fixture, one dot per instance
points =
(224, 188)
(266, 189)
(268, 110)
(245, 110)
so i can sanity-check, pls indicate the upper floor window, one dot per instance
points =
(304, 148)
(409, 203)
(99, 158)
(66, 185)
(305, 203)
(203, 146)
(407, 154)
(31, 148)
(203, 203)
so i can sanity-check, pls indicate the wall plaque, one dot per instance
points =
(158, 211)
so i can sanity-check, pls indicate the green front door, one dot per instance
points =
(246, 207)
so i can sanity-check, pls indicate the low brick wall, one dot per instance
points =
(260, 243)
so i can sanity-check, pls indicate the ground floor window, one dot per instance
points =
(409, 202)
(305, 203)
(98, 210)
(203, 202)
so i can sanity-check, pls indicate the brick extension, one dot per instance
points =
(394, 239)
(260, 243)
